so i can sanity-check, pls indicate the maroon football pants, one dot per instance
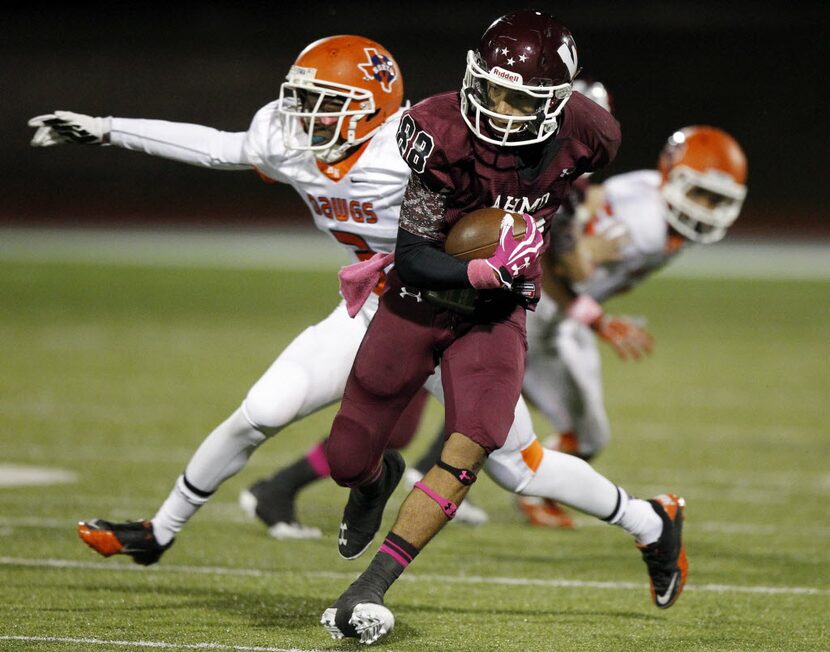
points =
(482, 365)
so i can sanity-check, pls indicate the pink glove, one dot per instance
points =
(513, 256)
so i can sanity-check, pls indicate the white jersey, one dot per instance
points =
(357, 202)
(358, 206)
(633, 201)
(564, 370)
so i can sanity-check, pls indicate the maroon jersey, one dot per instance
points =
(454, 172)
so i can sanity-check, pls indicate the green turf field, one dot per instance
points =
(114, 374)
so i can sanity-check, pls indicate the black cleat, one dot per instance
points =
(135, 539)
(666, 558)
(274, 507)
(363, 514)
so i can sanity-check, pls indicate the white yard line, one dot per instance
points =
(149, 644)
(417, 578)
(306, 248)
(19, 475)
(760, 259)
(230, 513)
(301, 249)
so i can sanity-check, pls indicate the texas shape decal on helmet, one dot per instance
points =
(380, 68)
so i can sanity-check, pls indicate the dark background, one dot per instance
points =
(756, 69)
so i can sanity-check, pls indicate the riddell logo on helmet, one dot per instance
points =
(501, 73)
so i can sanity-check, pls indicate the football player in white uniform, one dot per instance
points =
(651, 215)
(334, 124)
(336, 119)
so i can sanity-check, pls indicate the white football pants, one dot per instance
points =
(564, 376)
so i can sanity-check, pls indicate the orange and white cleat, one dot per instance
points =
(135, 539)
(544, 512)
(666, 558)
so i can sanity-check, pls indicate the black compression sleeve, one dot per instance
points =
(422, 263)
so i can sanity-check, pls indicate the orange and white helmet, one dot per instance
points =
(704, 182)
(348, 79)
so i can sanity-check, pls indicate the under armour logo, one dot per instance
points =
(341, 540)
(525, 264)
(414, 295)
(565, 172)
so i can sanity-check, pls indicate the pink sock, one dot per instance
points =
(317, 459)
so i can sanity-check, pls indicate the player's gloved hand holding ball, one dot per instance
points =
(512, 256)
(495, 240)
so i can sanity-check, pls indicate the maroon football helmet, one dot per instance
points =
(524, 64)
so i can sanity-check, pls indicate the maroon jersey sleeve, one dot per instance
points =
(596, 129)
(423, 133)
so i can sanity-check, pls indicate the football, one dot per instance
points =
(477, 233)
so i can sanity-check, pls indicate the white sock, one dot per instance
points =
(638, 518)
(221, 455)
(572, 481)
(181, 504)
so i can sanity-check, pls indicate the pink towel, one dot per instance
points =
(358, 279)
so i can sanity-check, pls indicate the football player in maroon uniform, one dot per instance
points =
(514, 138)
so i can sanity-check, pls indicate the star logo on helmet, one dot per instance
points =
(522, 58)
(504, 51)
(510, 61)
(380, 68)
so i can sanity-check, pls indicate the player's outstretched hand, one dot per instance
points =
(627, 335)
(63, 127)
(512, 256)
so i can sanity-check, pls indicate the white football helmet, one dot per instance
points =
(704, 182)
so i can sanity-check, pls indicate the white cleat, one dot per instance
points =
(327, 621)
(470, 514)
(370, 621)
(247, 501)
(295, 531)
(281, 530)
